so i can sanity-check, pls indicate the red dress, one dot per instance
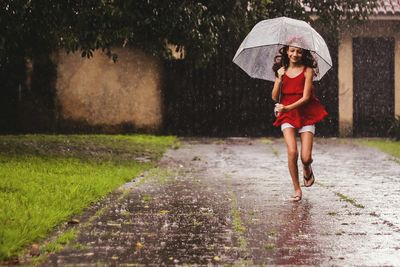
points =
(310, 113)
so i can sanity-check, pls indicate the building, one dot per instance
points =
(369, 73)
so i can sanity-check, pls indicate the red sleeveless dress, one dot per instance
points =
(310, 113)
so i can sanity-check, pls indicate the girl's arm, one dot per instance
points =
(309, 73)
(275, 90)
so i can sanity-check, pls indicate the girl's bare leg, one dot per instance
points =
(290, 138)
(307, 139)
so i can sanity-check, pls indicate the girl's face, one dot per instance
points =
(294, 54)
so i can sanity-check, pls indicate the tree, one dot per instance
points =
(329, 15)
(30, 26)
(30, 30)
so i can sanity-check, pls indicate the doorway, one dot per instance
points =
(373, 72)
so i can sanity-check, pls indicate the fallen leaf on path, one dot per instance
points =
(164, 211)
(216, 258)
(112, 224)
(139, 245)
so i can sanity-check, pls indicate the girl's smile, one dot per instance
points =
(294, 54)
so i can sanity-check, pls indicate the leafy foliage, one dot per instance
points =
(30, 26)
(328, 15)
(333, 12)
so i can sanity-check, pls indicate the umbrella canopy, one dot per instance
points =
(257, 52)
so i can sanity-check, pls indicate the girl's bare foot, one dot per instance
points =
(297, 196)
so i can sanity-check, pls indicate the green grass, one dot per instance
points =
(388, 146)
(349, 200)
(238, 226)
(89, 147)
(60, 242)
(45, 179)
(269, 246)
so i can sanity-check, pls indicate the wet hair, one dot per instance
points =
(282, 60)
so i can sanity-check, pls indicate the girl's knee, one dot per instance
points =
(306, 160)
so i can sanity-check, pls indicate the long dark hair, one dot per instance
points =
(282, 60)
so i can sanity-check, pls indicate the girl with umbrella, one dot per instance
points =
(293, 70)
(299, 110)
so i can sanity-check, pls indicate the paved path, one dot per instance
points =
(225, 202)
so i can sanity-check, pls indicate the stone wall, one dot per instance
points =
(99, 94)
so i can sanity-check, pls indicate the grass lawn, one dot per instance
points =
(389, 146)
(44, 179)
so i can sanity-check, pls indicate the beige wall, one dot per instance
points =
(345, 72)
(101, 92)
(372, 28)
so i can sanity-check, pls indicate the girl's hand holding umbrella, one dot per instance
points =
(281, 72)
(279, 108)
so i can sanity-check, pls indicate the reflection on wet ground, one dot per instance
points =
(226, 202)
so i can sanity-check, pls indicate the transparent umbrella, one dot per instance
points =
(257, 52)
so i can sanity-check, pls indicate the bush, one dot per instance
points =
(394, 129)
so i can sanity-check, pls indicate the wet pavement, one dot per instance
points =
(225, 201)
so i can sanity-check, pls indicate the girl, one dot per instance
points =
(298, 110)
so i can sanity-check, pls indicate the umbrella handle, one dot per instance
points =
(279, 98)
(280, 91)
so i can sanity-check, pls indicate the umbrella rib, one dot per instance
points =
(313, 41)
(280, 32)
(312, 36)
(262, 46)
(324, 59)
